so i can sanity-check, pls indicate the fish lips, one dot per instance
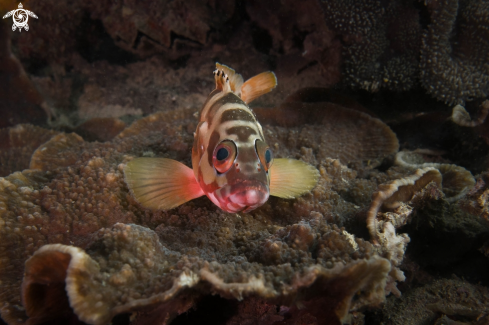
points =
(248, 195)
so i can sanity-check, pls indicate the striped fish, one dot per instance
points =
(231, 161)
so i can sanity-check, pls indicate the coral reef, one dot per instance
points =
(130, 267)
(72, 221)
(454, 66)
(477, 200)
(372, 45)
(448, 299)
(381, 50)
(100, 129)
(78, 197)
(17, 144)
(386, 46)
(299, 32)
(397, 196)
(172, 28)
(328, 117)
(456, 181)
(461, 117)
(127, 79)
(394, 193)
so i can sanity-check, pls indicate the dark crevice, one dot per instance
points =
(262, 40)
(121, 319)
(307, 66)
(209, 310)
(180, 62)
(36, 68)
(174, 36)
(424, 15)
(95, 44)
(223, 34)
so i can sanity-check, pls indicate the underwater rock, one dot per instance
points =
(144, 29)
(78, 204)
(174, 27)
(20, 100)
(299, 31)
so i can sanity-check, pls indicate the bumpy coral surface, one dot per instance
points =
(71, 231)
(454, 53)
(443, 300)
(75, 225)
(381, 48)
(17, 144)
(74, 244)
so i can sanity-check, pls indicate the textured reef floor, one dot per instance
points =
(396, 231)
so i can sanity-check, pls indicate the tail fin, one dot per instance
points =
(257, 86)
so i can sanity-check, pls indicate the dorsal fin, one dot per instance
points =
(222, 81)
(235, 79)
(257, 86)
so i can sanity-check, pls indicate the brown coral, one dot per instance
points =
(100, 286)
(395, 192)
(79, 213)
(100, 129)
(382, 226)
(380, 49)
(477, 200)
(168, 26)
(299, 30)
(330, 125)
(17, 145)
(455, 298)
(461, 117)
(172, 27)
(454, 66)
(456, 180)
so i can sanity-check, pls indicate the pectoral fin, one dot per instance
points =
(290, 178)
(257, 86)
(160, 183)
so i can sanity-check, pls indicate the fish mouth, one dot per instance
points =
(248, 196)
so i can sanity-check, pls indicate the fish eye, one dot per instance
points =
(268, 156)
(264, 154)
(224, 156)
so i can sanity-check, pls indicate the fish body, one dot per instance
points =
(231, 162)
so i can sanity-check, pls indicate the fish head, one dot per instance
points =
(242, 178)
